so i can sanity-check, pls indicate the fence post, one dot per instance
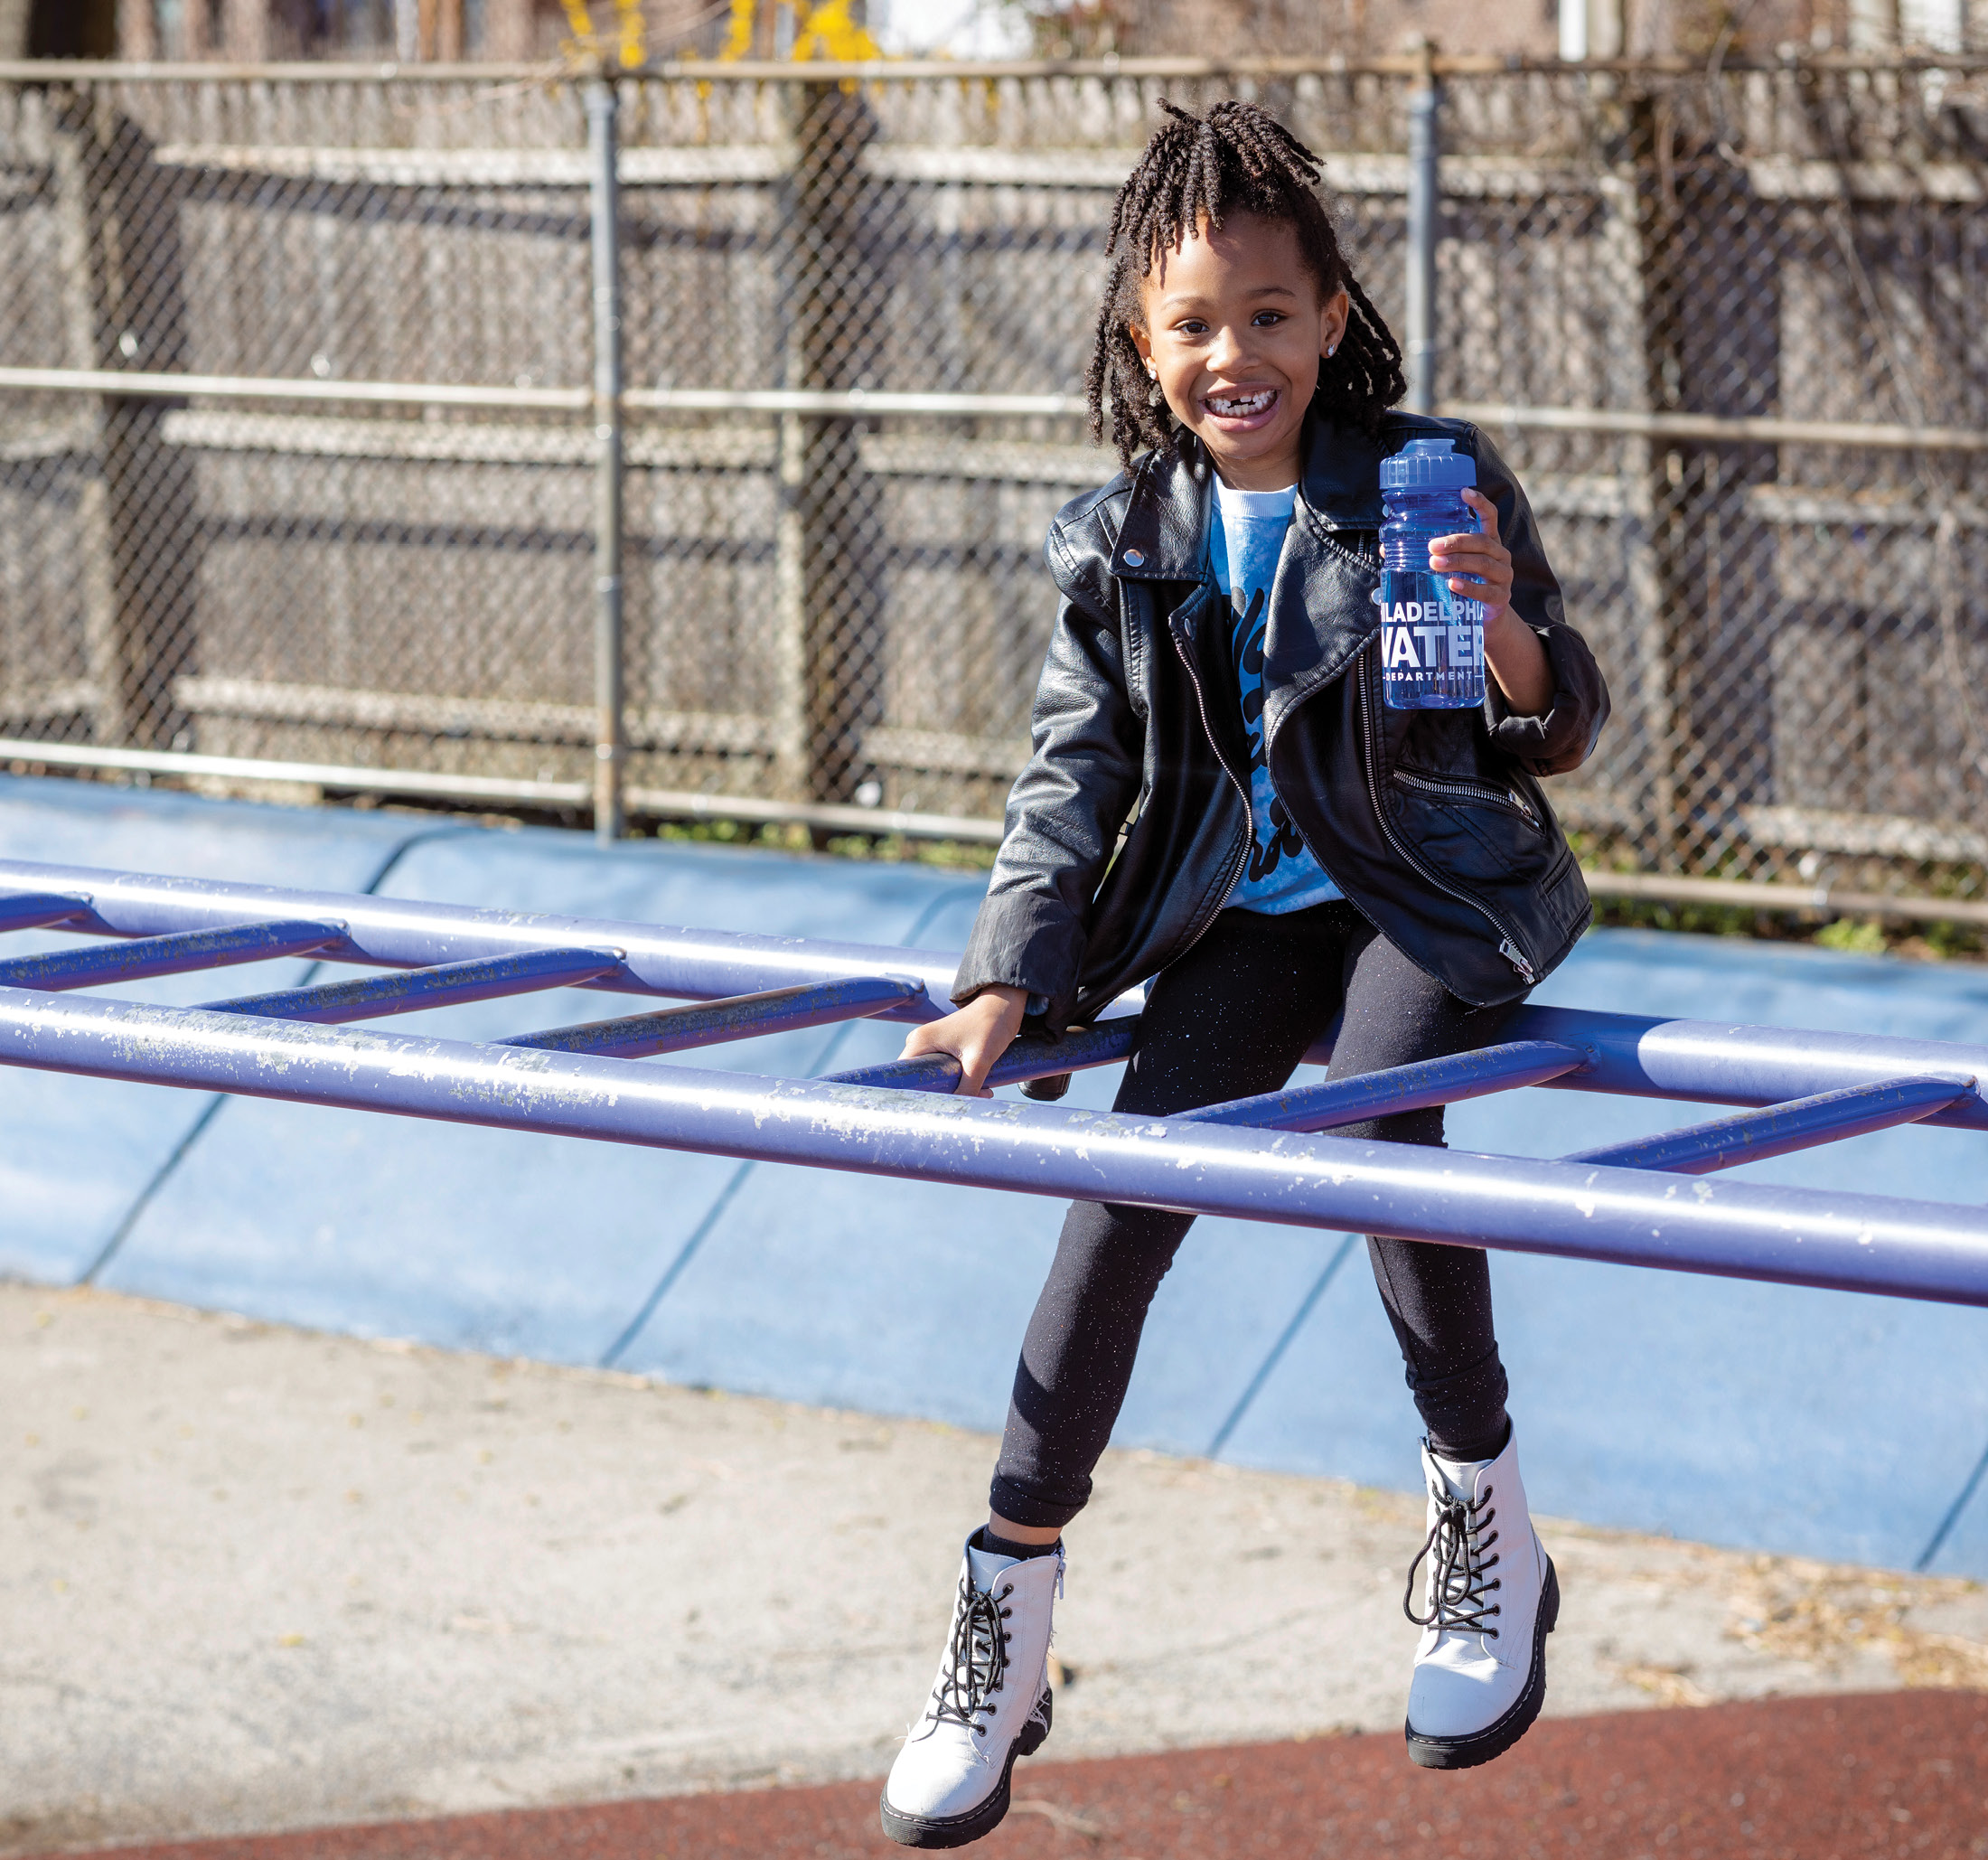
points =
(829, 619)
(1645, 350)
(72, 161)
(122, 302)
(1424, 211)
(609, 751)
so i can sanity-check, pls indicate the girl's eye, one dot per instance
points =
(1191, 326)
(1267, 319)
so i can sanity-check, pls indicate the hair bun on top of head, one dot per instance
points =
(1196, 170)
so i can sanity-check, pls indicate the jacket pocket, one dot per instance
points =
(1458, 792)
(1477, 831)
(1563, 896)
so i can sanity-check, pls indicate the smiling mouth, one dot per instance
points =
(1240, 406)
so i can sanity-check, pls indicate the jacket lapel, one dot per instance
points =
(1321, 609)
(1342, 476)
(1165, 534)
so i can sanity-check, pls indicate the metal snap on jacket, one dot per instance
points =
(1135, 557)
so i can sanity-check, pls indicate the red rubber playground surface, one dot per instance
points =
(1901, 1774)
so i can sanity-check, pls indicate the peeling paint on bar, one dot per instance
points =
(174, 954)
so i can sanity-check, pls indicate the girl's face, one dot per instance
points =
(1234, 327)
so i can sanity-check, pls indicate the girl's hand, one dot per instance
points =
(976, 1035)
(1479, 568)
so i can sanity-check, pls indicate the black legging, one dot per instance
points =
(1232, 1017)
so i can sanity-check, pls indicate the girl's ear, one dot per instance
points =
(1332, 320)
(1143, 342)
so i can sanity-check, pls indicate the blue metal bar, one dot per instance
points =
(1323, 1107)
(98, 962)
(1589, 1211)
(1719, 1062)
(1708, 1062)
(688, 964)
(1782, 1129)
(930, 1071)
(481, 979)
(1103, 1044)
(740, 1017)
(28, 910)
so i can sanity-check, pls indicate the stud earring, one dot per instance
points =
(1331, 350)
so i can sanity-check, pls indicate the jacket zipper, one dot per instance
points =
(1508, 946)
(1477, 791)
(1242, 852)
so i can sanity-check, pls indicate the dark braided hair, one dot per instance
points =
(1237, 159)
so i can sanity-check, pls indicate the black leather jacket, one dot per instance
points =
(1433, 823)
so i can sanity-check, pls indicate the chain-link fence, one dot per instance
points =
(1728, 329)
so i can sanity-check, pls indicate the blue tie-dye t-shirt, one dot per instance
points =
(1246, 530)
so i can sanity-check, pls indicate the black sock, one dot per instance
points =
(985, 1539)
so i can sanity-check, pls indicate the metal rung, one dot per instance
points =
(174, 954)
(1708, 1062)
(1243, 1159)
(1103, 1044)
(481, 979)
(28, 910)
(737, 1017)
(1413, 1087)
(1800, 1124)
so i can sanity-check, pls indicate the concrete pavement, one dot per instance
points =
(259, 1578)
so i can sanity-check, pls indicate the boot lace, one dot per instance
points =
(1459, 1575)
(976, 1662)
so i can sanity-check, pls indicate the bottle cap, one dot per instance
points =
(1428, 465)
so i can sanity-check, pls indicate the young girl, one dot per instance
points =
(1297, 851)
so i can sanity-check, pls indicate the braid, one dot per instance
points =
(1196, 170)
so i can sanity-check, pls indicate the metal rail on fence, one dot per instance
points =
(1795, 59)
(1266, 1159)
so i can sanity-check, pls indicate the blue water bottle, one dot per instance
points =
(1432, 640)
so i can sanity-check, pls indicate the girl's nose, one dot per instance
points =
(1228, 347)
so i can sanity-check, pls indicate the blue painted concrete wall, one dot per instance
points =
(1831, 1424)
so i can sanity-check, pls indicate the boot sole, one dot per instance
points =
(959, 1831)
(1494, 1739)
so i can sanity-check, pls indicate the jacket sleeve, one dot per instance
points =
(1563, 736)
(1065, 809)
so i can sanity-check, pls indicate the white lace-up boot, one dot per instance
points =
(1489, 1599)
(989, 1705)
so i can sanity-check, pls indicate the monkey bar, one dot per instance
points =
(1271, 1158)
